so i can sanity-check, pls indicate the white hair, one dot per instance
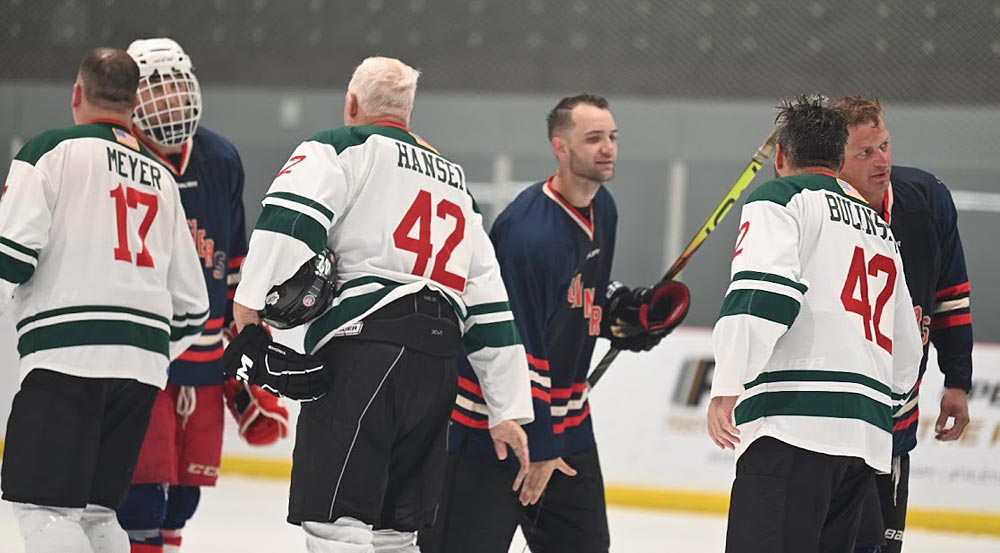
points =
(385, 86)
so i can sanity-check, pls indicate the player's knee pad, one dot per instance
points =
(102, 529)
(51, 529)
(391, 541)
(144, 508)
(182, 502)
(345, 535)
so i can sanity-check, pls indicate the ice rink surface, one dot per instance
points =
(247, 515)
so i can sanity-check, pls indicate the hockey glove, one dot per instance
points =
(263, 418)
(637, 319)
(252, 357)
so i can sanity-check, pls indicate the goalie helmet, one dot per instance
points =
(305, 296)
(169, 96)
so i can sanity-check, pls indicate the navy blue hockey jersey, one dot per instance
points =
(209, 174)
(924, 220)
(556, 263)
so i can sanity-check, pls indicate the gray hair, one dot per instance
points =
(385, 86)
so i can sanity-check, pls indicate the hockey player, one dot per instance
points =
(921, 213)
(107, 289)
(555, 244)
(815, 347)
(415, 272)
(183, 445)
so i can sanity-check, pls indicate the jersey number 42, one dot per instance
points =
(857, 281)
(419, 215)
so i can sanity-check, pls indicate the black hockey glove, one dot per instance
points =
(252, 357)
(637, 319)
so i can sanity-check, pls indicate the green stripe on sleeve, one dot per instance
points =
(176, 333)
(292, 223)
(485, 308)
(491, 335)
(302, 200)
(770, 277)
(841, 405)
(94, 333)
(14, 270)
(761, 303)
(18, 247)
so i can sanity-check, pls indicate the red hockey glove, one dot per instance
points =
(637, 319)
(263, 418)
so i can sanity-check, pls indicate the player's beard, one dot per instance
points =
(589, 171)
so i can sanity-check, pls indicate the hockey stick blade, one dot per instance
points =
(760, 157)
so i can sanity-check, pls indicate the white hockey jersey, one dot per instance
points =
(817, 334)
(97, 257)
(399, 218)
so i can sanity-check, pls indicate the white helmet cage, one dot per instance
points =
(169, 96)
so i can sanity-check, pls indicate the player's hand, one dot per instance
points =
(510, 434)
(538, 478)
(720, 422)
(954, 404)
(243, 316)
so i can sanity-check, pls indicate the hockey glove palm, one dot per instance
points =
(637, 319)
(252, 357)
(263, 418)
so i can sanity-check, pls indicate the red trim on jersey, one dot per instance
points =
(907, 422)
(570, 422)
(391, 124)
(231, 294)
(186, 149)
(541, 394)
(236, 262)
(146, 548)
(462, 418)
(214, 324)
(469, 386)
(203, 356)
(540, 364)
(566, 393)
(963, 288)
(826, 172)
(586, 224)
(887, 204)
(952, 320)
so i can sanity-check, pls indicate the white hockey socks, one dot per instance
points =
(345, 535)
(391, 541)
(51, 529)
(102, 529)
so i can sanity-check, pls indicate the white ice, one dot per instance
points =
(248, 515)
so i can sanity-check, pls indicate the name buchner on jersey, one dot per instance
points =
(133, 168)
(859, 217)
(431, 165)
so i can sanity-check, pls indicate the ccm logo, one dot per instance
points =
(195, 468)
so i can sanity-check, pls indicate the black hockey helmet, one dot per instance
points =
(305, 296)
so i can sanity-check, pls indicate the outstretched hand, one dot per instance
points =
(535, 482)
(954, 404)
(510, 434)
(720, 422)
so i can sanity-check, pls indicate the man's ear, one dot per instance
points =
(77, 98)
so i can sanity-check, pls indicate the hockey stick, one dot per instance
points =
(760, 157)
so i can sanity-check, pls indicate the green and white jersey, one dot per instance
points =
(817, 334)
(97, 257)
(399, 218)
